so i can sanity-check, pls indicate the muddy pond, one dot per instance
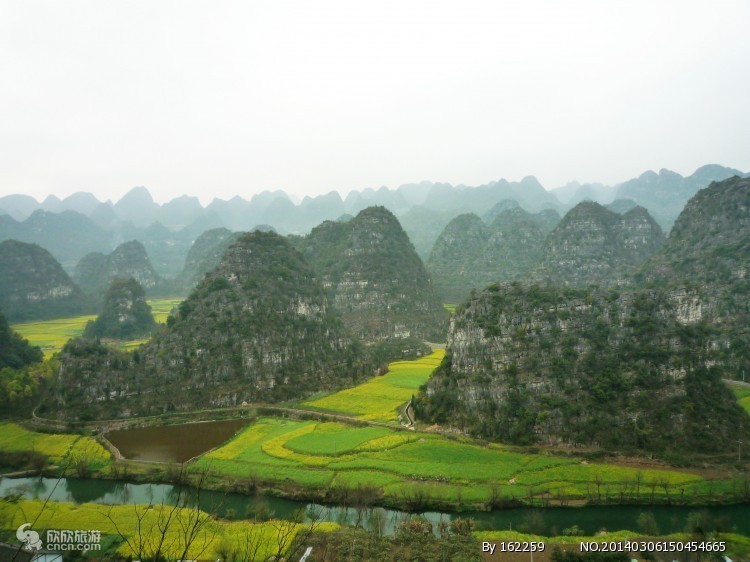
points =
(173, 443)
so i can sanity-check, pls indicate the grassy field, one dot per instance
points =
(406, 466)
(450, 308)
(214, 539)
(379, 399)
(60, 448)
(52, 335)
(162, 307)
(743, 396)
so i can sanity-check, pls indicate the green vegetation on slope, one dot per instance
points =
(125, 314)
(20, 388)
(15, 351)
(379, 398)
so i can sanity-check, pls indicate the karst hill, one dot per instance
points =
(129, 260)
(33, 285)
(472, 253)
(637, 368)
(595, 246)
(377, 282)
(125, 313)
(257, 328)
(205, 254)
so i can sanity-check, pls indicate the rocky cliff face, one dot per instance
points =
(709, 248)
(33, 284)
(205, 254)
(125, 314)
(471, 255)
(376, 281)
(256, 328)
(593, 245)
(128, 261)
(636, 370)
(710, 241)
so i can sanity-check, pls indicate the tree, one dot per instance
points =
(180, 530)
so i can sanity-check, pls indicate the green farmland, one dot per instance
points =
(743, 395)
(60, 448)
(398, 467)
(162, 307)
(52, 335)
(378, 399)
(417, 469)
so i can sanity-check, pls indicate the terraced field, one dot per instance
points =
(380, 398)
(60, 448)
(404, 466)
(52, 335)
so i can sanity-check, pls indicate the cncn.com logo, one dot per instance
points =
(60, 540)
(73, 546)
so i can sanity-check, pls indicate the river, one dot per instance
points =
(545, 521)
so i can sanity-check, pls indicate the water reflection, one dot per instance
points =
(547, 521)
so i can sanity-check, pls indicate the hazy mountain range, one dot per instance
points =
(79, 224)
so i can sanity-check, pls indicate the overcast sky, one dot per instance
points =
(225, 98)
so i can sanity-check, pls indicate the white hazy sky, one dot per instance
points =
(224, 98)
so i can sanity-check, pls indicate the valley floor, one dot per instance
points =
(367, 457)
(52, 335)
